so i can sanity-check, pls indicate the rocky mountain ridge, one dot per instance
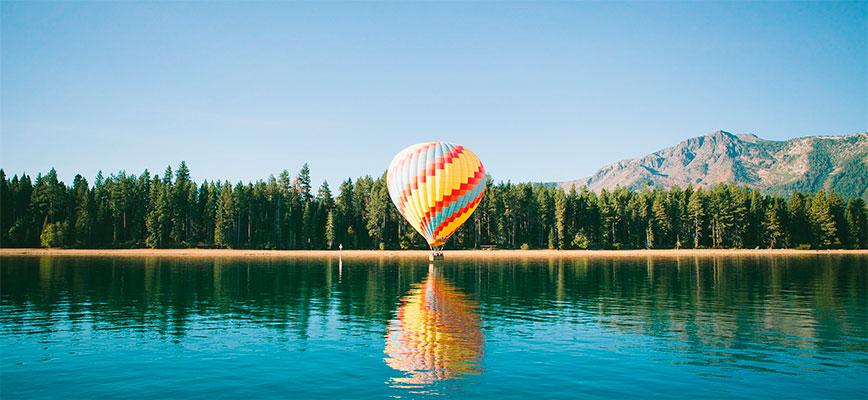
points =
(807, 163)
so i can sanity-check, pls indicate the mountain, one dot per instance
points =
(802, 164)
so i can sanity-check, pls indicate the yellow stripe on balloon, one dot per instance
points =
(439, 186)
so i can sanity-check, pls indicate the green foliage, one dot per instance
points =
(49, 198)
(179, 198)
(157, 217)
(377, 211)
(851, 178)
(661, 219)
(125, 210)
(773, 227)
(857, 224)
(561, 203)
(580, 241)
(303, 183)
(224, 221)
(823, 222)
(330, 229)
(52, 234)
(82, 218)
(696, 211)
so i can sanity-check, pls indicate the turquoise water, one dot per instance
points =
(774, 327)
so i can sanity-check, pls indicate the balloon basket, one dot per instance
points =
(434, 256)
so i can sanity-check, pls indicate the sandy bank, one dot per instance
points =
(419, 253)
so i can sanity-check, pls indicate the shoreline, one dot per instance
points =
(232, 253)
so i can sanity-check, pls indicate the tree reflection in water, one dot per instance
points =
(436, 335)
(705, 311)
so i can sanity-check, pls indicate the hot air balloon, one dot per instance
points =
(436, 187)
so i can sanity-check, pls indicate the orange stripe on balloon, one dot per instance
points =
(460, 212)
(454, 195)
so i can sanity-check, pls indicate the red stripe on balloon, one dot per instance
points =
(460, 212)
(454, 194)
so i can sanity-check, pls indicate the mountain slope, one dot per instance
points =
(804, 164)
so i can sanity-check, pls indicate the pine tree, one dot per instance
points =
(642, 220)
(330, 229)
(740, 208)
(240, 210)
(680, 216)
(180, 193)
(282, 209)
(118, 194)
(773, 227)
(169, 209)
(493, 205)
(49, 197)
(140, 208)
(194, 218)
(294, 217)
(620, 197)
(799, 227)
(542, 215)
(325, 204)
(22, 232)
(308, 223)
(157, 218)
(224, 220)
(205, 211)
(376, 212)
(102, 219)
(303, 182)
(661, 221)
(609, 217)
(83, 221)
(638, 221)
(345, 213)
(214, 191)
(756, 212)
(561, 218)
(857, 224)
(823, 222)
(838, 211)
(52, 234)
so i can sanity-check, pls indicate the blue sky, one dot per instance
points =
(541, 92)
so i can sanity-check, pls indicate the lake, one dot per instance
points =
(674, 327)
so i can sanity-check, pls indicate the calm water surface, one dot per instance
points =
(780, 327)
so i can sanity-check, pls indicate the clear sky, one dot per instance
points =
(540, 92)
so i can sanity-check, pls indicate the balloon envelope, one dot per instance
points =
(436, 187)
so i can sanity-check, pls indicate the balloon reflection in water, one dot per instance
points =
(436, 335)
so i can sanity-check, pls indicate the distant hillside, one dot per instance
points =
(802, 164)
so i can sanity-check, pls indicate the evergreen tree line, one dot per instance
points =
(283, 212)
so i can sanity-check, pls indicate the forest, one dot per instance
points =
(284, 212)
